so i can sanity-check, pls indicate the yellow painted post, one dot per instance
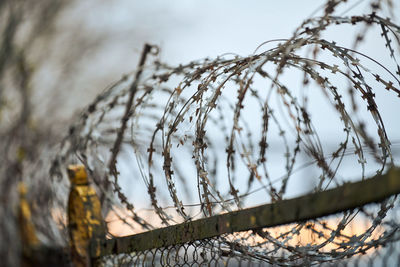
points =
(29, 240)
(85, 221)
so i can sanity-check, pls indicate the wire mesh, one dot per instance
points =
(208, 253)
(279, 246)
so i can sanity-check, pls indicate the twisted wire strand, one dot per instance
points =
(186, 122)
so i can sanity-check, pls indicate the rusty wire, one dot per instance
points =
(259, 248)
(221, 251)
(208, 128)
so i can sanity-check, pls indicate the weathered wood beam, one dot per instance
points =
(346, 197)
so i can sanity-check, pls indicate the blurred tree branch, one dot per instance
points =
(24, 23)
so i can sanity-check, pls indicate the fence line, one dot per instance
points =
(346, 197)
(180, 113)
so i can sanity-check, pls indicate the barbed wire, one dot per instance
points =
(259, 248)
(166, 124)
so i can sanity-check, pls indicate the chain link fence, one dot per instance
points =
(263, 248)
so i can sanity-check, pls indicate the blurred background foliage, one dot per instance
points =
(52, 63)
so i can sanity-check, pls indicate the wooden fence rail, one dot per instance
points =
(346, 197)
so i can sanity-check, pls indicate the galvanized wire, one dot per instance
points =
(253, 248)
(183, 116)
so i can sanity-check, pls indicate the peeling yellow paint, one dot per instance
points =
(27, 229)
(85, 220)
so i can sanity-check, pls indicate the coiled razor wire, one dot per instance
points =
(200, 137)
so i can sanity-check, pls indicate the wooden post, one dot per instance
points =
(29, 240)
(85, 221)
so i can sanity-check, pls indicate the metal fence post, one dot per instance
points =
(85, 221)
